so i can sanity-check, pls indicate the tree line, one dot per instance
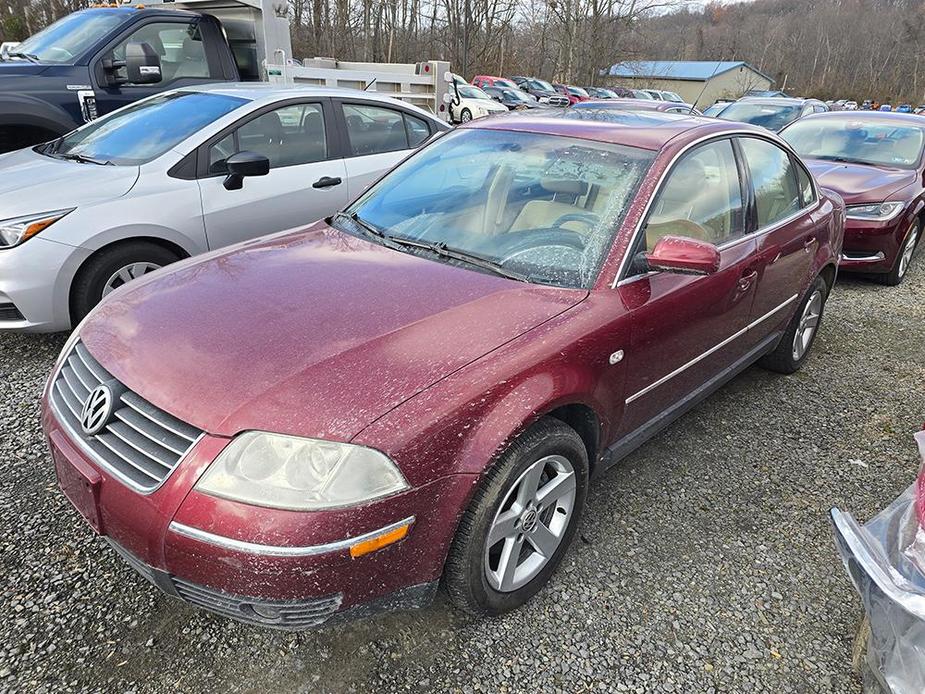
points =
(824, 48)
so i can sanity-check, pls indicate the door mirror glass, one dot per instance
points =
(245, 164)
(684, 255)
(142, 64)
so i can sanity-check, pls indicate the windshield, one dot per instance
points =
(70, 37)
(544, 207)
(639, 94)
(541, 84)
(517, 95)
(856, 141)
(770, 116)
(714, 110)
(469, 92)
(673, 96)
(577, 91)
(505, 83)
(144, 131)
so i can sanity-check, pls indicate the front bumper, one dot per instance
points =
(280, 569)
(35, 280)
(885, 559)
(872, 246)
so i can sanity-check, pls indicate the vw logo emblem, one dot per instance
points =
(97, 410)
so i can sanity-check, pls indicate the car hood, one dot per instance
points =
(310, 333)
(18, 68)
(858, 183)
(31, 183)
(483, 104)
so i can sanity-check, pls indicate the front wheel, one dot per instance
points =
(520, 522)
(904, 259)
(111, 268)
(465, 116)
(800, 334)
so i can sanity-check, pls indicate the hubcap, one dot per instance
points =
(530, 523)
(127, 274)
(908, 250)
(809, 320)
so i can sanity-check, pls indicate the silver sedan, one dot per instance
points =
(179, 174)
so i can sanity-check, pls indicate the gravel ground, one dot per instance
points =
(706, 562)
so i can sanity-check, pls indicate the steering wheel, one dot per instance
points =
(522, 242)
(588, 218)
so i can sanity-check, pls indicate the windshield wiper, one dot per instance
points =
(444, 251)
(841, 160)
(83, 159)
(438, 248)
(31, 57)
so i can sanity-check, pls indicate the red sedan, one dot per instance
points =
(875, 162)
(421, 387)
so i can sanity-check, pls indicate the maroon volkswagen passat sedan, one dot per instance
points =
(874, 161)
(420, 387)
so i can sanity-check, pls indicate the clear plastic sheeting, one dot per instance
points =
(885, 558)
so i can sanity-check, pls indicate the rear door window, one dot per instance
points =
(777, 191)
(376, 129)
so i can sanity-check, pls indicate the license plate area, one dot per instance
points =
(81, 485)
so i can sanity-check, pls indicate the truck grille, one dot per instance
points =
(141, 444)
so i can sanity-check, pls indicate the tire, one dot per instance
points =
(904, 257)
(547, 451)
(786, 358)
(465, 116)
(98, 272)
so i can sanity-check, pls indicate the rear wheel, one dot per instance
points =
(521, 521)
(112, 268)
(465, 116)
(800, 334)
(904, 259)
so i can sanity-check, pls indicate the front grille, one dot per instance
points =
(8, 312)
(300, 614)
(142, 444)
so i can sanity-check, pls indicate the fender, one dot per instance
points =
(22, 109)
(139, 231)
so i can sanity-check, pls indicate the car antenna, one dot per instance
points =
(366, 88)
(705, 84)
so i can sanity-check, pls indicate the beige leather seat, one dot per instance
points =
(541, 214)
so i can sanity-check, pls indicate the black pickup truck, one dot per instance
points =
(97, 60)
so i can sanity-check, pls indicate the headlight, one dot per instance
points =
(299, 474)
(875, 212)
(18, 229)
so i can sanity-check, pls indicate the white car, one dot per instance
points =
(470, 102)
(181, 173)
(851, 105)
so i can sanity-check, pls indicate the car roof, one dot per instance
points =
(644, 129)
(266, 93)
(871, 116)
(795, 101)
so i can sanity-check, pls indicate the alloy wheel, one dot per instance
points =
(530, 523)
(906, 258)
(809, 321)
(126, 274)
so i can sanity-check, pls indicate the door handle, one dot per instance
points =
(746, 280)
(327, 182)
(808, 244)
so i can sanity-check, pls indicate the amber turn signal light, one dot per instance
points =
(377, 543)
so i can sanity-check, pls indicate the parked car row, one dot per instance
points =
(490, 316)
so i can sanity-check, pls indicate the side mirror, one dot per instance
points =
(244, 164)
(142, 64)
(684, 255)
